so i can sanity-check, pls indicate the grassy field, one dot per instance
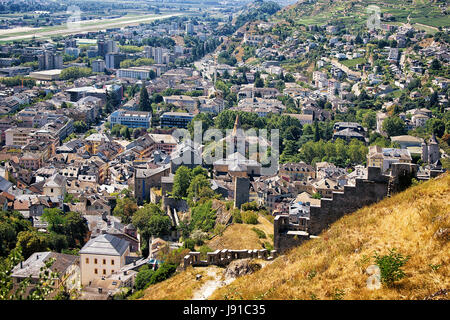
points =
(353, 62)
(241, 236)
(333, 266)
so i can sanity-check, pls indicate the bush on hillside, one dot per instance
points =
(390, 266)
(249, 217)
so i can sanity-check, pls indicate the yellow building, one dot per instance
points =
(384, 157)
(94, 141)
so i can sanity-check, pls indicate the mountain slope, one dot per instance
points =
(428, 12)
(333, 266)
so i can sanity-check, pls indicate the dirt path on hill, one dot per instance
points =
(210, 286)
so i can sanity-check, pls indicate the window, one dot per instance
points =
(104, 261)
(95, 271)
(95, 260)
(87, 260)
(112, 262)
(104, 271)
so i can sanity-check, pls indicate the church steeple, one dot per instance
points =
(237, 125)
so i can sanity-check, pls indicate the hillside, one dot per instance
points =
(239, 236)
(426, 12)
(333, 266)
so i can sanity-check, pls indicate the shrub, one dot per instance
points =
(176, 256)
(143, 277)
(237, 217)
(267, 245)
(261, 234)
(250, 206)
(199, 236)
(189, 244)
(219, 229)
(249, 217)
(203, 251)
(162, 273)
(203, 216)
(390, 266)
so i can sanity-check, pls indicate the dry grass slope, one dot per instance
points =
(181, 286)
(334, 265)
(241, 236)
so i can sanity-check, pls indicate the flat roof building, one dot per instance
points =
(131, 119)
(46, 75)
(176, 119)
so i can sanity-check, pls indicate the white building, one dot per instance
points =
(102, 256)
(140, 73)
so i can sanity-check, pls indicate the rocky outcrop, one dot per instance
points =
(241, 267)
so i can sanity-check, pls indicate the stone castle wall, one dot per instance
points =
(352, 198)
(225, 256)
(365, 192)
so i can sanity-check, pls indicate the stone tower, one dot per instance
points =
(241, 191)
(424, 152)
(433, 150)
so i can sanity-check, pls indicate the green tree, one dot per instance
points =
(80, 126)
(436, 126)
(203, 217)
(73, 73)
(42, 286)
(143, 277)
(181, 182)
(316, 131)
(435, 64)
(394, 126)
(164, 272)
(125, 208)
(144, 101)
(200, 187)
(151, 221)
(57, 242)
(76, 229)
(31, 241)
(259, 83)
(70, 224)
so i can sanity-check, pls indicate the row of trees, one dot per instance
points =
(73, 73)
(338, 152)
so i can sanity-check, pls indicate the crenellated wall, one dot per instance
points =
(225, 256)
(352, 198)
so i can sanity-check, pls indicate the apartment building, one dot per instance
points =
(131, 119)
